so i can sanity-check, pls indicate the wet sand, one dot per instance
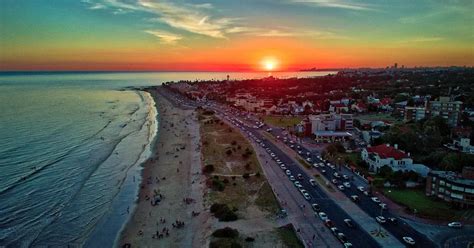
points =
(172, 179)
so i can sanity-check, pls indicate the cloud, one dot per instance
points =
(340, 4)
(422, 39)
(164, 36)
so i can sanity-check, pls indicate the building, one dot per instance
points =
(331, 127)
(381, 155)
(414, 113)
(452, 187)
(444, 107)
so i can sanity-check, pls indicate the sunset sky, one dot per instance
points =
(219, 35)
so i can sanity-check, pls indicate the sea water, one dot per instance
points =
(71, 145)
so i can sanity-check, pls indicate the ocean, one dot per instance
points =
(71, 149)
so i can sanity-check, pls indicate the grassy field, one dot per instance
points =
(232, 157)
(425, 206)
(282, 121)
(288, 236)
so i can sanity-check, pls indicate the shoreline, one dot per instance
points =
(167, 191)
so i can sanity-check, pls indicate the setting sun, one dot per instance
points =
(269, 64)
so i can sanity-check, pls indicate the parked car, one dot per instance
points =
(393, 220)
(323, 216)
(312, 182)
(354, 198)
(455, 224)
(409, 240)
(348, 245)
(306, 196)
(328, 223)
(334, 230)
(340, 187)
(348, 222)
(375, 199)
(342, 237)
(345, 177)
(336, 175)
(288, 172)
(366, 193)
(298, 184)
(380, 219)
(292, 178)
(383, 206)
(347, 184)
(299, 176)
(361, 189)
(316, 207)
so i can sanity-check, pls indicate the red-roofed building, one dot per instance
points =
(378, 156)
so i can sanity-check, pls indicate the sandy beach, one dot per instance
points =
(172, 186)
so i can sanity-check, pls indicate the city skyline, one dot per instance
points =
(233, 36)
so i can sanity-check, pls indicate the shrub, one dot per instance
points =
(223, 212)
(217, 184)
(229, 152)
(226, 232)
(208, 168)
(246, 175)
(224, 243)
(249, 239)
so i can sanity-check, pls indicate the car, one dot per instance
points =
(355, 197)
(334, 181)
(375, 199)
(347, 184)
(409, 240)
(393, 220)
(383, 206)
(299, 152)
(366, 193)
(380, 219)
(299, 176)
(323, 216)
(288, 172)
(292, 178)
(272, 155)
(306, 196)
(361, 189)
(342, 237)
(279, 162)
(348, 245)
(348, 222)
(334, 230)
(308, 153)
(321, 165)
(328, 223)
(269, 130)
(298, 184)
(308, 159)
(283, 167)
(455, 224)
(312, 182)
(336, 175)
(341, 187)
(316, 207)
(303, 191)
(323, 171)
(315, 165)
(345, 177)
(292, 146)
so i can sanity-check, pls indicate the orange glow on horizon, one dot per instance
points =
(269, 64)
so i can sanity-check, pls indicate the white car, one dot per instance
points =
(347, 184)
(288, 172)
(345, 177)
(315, 165)
(375, 199)
(380, 219)
(312, 182)
(292, 178)
(409, 240)
(383, 206)
(307, 196)
(298, 184)
(361, 189)
(341, 187)
(308, 159)
(455, 224)
(323, 216)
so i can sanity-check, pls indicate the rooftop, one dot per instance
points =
(453, 177)
(387, 151)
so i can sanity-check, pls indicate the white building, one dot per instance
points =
(391, 156)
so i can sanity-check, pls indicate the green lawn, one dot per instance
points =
(425, 206)
(376, 117)
(282, 121)
(288, 236)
